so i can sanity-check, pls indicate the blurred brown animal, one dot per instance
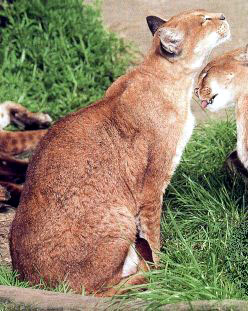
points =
(12, 169)
(94, 187)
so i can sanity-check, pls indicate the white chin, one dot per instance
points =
(224, 39)
(212, 109)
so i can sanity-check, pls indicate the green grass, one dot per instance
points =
(56, 56)
(10, 278)
(203, 209)
(13, 307)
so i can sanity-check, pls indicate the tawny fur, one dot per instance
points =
(12, 170)
(227, 76)
(11, 112)
(4, 194)
(96, 179)
(20, 141)
(12, 176)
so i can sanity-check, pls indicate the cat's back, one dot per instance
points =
(72, 150)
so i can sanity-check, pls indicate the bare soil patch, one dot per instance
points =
(7, 214)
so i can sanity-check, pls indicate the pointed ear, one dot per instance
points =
(154, 23)
(196, 91)
(171, 40)
(243, 57)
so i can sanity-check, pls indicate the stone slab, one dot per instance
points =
(14, 298)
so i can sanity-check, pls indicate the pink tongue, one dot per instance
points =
(204, 104)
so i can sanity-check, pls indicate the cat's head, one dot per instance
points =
(223, 80)
(188, 36)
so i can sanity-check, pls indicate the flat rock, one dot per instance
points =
(13, 298)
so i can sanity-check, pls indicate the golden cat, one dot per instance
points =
(91, 204)
(222, 84)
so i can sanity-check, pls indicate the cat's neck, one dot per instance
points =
(242, 129)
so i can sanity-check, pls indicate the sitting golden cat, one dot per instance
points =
(91, 204)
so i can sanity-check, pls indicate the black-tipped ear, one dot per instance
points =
(154, 23)
(196, 91)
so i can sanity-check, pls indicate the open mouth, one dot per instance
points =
(205, 103)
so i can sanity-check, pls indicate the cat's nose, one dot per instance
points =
(222, 17)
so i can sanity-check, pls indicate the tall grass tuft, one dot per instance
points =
(202, 207)
(56, 56)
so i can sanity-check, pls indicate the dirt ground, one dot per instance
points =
(127, 18)
(6, 217)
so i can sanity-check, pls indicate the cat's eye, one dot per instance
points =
(206, 18)
(212, 99)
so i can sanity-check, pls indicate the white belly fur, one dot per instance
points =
(183, 140)
(131, 262)
(241, 144)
